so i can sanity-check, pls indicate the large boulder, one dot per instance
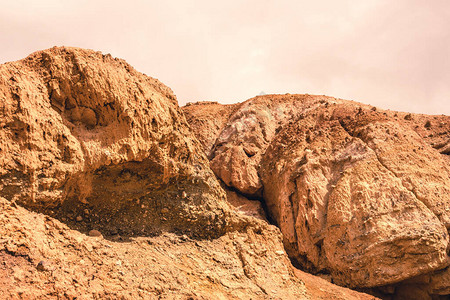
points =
(358, 192)
(343, 210)
(409, 157)
(85, 136)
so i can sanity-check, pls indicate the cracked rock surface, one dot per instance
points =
(359, 193)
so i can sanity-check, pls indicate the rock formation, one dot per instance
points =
(87, 131)
(208, 121)
(359, 193)
(105, 193)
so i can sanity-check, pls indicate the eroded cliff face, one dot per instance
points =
(85, 131)
(106, 193)
(359, 193)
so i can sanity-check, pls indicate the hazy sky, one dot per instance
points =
(392, 54)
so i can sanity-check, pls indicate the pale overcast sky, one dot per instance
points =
(392, 54)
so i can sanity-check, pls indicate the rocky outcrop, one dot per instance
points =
(342, 208)
(237, 151)
(106, 193)
(43, 258)
(86, 136)
(207, 120)
(359, 193)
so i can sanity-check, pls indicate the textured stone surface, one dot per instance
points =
(245, 206)
(82, 130)
(106, 194)
(246, 264)
(358, 192)
(403, 152)
(238, 149)
(342, 210)
(435, 130)
(207, 120)
(238, 265)
(439, 283)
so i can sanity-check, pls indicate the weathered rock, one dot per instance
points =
(356, 191)
(44, 265)
(238, 265)
(433, 285)
(439, 284)
(84, 130)
(87, 139)
(207, 120)
(411, 292)
(246, 206)
(340, 209)
(435, 130)
(360, 194)
(236, 170)
(422, 171)
(238, 149)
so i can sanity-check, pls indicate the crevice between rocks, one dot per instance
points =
(260, 199)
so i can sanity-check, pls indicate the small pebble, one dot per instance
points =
(79, 218)
(95, 233)
(43, 265)
(164, 210)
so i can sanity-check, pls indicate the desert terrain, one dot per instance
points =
(110, 190)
